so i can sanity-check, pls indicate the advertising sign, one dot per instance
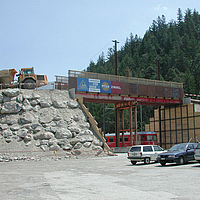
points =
(82, 84)
(115, 87)
(94, 85)
(105, 86)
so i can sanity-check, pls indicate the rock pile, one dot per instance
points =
(44, 120)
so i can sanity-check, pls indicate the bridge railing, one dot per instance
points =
(142, 81)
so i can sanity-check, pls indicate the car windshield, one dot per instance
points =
(178, 147)
(157, 148)
(135, 149)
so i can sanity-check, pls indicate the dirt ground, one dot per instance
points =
(110, 177)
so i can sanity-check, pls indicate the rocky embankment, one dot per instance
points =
(36, 124)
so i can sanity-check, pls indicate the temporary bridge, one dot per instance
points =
(125, 93)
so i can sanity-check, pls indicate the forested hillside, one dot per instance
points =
(175, 44)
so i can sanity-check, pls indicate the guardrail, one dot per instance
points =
(142, 81)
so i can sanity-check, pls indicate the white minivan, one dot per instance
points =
(146, 153)
(197, 153)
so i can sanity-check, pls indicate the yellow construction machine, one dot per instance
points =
(27, 79)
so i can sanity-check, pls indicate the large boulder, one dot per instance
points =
(11, 92)
(11, 107)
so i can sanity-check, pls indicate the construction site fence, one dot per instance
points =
(91, 75)
(54, 85)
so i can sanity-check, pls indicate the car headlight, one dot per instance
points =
(172, 156)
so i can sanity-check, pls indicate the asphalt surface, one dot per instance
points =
(111, 177)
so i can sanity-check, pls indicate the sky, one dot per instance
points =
(55, 36)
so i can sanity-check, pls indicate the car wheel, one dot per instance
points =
(146, 160)
(133, 162)
(163, 163)
(181, 160)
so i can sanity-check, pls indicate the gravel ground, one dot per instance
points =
(111, 177)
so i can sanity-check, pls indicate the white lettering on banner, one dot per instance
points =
(115, 87)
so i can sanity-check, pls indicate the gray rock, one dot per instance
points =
(1, 97)
(43, 136)
(63, 142)
(3, 126)
(11, 107)
(76, 152)
(97, 148)
(86, 138)
(76, 118)
(8, 140)
(74, 141)
(7, 133)
(26, 118)
(45, 103)
(85, 125)
(74, 129)
(72, 104)
(14, 127)
(37, 129)
(78, 145)
(87, 144)
(36, 108)
(59, 103)
(11, 119)
(26, 105)
(52, 142)
(11, 92)
(48, 124)
(44, 147)
(54, 148)
(22, 133)
(8, 99)
(45, 118)
(97, 142)
(20, 98)
(28, 138)
(63, 133)
(44, 142)
(34, 102)
(67, 147)
(86, 132)
(37, 144)
(35, 96)
(57, 118)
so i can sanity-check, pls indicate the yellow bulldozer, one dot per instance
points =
(27, 79)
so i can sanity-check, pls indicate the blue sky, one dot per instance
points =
(55, 36)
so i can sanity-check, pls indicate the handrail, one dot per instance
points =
(82, 74)
(93, 123)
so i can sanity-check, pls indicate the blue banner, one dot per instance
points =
(105, 86)
(82, 84)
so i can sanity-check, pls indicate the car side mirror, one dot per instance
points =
(187, 149)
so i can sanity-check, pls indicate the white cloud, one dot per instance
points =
(165, 8)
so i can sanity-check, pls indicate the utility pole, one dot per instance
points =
(115, 41)
(116, 110)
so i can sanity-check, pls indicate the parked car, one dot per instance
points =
(179, 153)
(146, 153)
(197, 153)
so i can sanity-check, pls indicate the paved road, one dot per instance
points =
(98, 178)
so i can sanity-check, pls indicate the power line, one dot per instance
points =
(94, 55)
